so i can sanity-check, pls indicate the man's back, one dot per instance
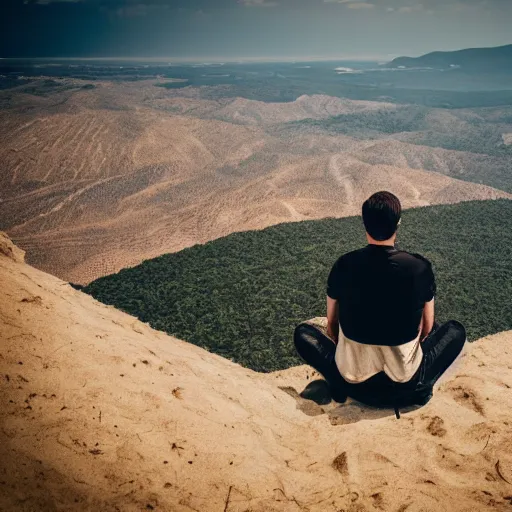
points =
(381, 292)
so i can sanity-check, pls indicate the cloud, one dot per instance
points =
(410, 8)
(403, 6)
(137, 10)
(258, 3)
(46, 2)
(360, 5)
(390, 7)
(352, 4)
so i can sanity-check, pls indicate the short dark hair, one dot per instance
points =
(381, 214)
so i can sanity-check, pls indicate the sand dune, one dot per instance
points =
(100, 412)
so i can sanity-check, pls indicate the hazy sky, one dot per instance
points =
(230, 29)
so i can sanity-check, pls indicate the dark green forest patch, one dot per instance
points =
(241, 296)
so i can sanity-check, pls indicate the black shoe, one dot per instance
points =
(423, 400)
(338, 395)
(318, 391)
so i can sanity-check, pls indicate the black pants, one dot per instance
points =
(440, 349)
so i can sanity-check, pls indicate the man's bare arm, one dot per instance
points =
(333, 326)
(427, 321)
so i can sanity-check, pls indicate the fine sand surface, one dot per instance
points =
(98, 180)
(99, 412)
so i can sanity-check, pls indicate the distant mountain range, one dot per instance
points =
(472, 59)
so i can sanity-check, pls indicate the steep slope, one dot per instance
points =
(100, 412)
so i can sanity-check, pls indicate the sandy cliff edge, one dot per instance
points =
(101, 412)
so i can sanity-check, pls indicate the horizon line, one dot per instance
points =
(220, 60)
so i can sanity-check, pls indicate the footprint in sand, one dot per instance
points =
(33, 299)
(340, 464)
(435, 425)
(467, 397)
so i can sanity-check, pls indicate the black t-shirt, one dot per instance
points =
(381, 293)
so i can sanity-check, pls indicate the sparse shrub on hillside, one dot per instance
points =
(475, 136)
(242, 295)
(402, 119)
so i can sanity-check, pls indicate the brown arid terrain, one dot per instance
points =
(97, 179)
(100, 412)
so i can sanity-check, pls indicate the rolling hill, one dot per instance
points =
(95, 179)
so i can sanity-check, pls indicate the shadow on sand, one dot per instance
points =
(316, 399)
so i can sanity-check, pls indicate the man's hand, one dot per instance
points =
(333, 326)
(427, 320)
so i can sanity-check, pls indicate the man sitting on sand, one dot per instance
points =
(382, 346)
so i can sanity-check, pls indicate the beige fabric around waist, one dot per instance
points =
(358, 362)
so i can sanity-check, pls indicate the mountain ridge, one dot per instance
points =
(488, 58)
